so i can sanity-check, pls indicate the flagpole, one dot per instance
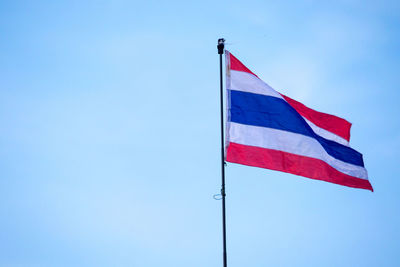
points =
(221, 46)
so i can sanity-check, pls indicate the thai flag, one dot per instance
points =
(269, 130)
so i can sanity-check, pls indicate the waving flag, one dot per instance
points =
(269, 130)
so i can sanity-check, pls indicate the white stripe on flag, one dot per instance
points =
(292, 143)
(326, 134)
(247, 82)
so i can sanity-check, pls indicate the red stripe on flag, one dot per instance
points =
(331, 123)
(235, 64)
(291, 163)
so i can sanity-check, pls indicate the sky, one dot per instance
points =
(109, 133)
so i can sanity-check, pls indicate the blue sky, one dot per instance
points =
(109, 133)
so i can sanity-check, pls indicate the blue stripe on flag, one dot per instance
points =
(272, 112)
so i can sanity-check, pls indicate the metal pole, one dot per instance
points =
(220, 46)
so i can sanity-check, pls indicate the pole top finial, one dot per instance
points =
(221, 46)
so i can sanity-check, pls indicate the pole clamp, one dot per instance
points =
(223, 194)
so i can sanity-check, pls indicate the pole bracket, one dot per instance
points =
(223, 194)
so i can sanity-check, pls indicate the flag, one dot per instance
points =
(269, 130)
